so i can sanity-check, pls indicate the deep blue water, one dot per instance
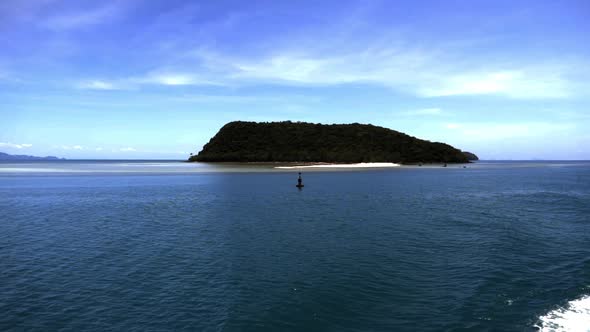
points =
(494, 246)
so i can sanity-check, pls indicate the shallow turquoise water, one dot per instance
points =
(179, 247)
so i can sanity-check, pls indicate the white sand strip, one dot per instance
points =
(360, 165)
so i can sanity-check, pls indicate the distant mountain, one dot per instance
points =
(307, 142)
(6, 156)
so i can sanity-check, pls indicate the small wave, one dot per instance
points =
(575, 316)
(169, 164)
(36, 170)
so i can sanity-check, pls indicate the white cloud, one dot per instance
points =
(514, 84)
(127, 149)
(72, 147)
(171, 79)
(425, 73)
(473, 84)
(98, 85)
(15, 146)
(290, 68)
(98, 149)
(165, 79)
(392, 60)
(382, 67)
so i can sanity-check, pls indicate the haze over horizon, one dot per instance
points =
(156, 80)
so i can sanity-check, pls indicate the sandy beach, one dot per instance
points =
(359, 165)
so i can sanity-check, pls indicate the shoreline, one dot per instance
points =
(357, 165)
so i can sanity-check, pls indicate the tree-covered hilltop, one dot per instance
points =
(307, 142)
(470, 156)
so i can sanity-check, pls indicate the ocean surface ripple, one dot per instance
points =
(499, 248)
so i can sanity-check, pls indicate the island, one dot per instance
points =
(470, 156)
(287, 141)
(6, 156)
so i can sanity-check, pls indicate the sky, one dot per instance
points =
(157, 79)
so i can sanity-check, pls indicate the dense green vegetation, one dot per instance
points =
(470, 156)
(307, 142)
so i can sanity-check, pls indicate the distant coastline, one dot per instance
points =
(6, 156)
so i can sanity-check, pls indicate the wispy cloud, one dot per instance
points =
(275, 99)
(135, 82)
(501, 131)
(81, 18)
(512, 83)
(97, 85)
(15, 146)
(420, 72)
(174, 78)
(90, 148)
(331, 56)
(70, 147)
(7, 75)
(411, 71)
(424, 112)
(170, 79)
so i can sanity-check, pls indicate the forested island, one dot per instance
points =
(470, 156)
(288, 141)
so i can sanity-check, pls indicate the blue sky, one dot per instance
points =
(156, 79)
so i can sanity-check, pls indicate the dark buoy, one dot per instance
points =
(299, 182)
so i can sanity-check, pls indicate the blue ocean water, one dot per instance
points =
(146, 246)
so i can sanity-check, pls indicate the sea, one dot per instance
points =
(175, 246)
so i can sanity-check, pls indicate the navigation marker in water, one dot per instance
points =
(299, 182)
